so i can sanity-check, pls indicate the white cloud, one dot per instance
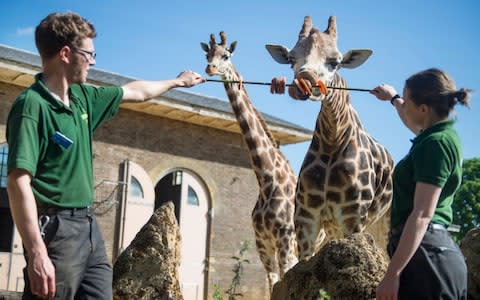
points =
(25, 31)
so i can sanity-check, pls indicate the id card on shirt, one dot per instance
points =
(61, 139)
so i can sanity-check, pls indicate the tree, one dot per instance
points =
(466, 206)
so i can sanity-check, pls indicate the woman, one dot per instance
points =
(425, 261)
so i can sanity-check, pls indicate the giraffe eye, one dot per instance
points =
(225, 57)
(333, 63)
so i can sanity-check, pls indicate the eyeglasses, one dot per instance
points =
(90, 55)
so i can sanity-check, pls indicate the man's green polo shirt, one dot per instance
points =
(62, 172)
(434, 158)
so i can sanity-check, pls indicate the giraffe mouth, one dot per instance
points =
(211, 70)
(301, 87)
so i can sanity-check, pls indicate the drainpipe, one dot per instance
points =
(123, 203)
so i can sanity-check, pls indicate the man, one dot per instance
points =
(50, 173)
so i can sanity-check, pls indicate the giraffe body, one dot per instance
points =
(345, 180)
(273, 213)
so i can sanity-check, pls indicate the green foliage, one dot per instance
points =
(217, 294)
(324, 295)
(237, 270)
(466, 206)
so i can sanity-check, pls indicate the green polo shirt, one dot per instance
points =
(62, 172)
(434, 158)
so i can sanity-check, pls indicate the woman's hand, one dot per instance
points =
(388, 287)
(384, 92)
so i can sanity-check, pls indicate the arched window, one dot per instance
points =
(192, 197)
(135, 188)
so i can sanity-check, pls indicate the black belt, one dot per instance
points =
(431, 226)
(69, 211)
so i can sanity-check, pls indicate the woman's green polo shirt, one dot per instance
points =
(435, 158)
(53, 142)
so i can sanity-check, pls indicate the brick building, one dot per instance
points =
(180, 147)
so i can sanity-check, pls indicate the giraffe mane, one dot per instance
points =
(265, 127)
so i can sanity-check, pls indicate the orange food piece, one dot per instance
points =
(321, 86)
(304, 87)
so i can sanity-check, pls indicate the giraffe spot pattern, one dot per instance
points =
(314, 177)
(364, 178)
(344, 163)
(315, 201)
(314, 145)
(352, 193)
(366, 194)
(363, 162)
(303, 213)
(275, 206)
(350, 209)
(334, 197)
(324, 158)
(350, 151)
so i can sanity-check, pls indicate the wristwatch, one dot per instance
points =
(393, 99)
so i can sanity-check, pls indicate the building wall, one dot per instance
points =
(160, 145)
(8, 93)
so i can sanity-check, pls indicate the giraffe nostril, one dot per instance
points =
(210, 70)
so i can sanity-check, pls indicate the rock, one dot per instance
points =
(148, 268)
(350, 268)
(470, 246)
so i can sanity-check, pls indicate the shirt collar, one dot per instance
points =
(42, 89)
(440, 126)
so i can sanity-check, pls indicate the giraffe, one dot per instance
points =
(345, 179)
(273, 213)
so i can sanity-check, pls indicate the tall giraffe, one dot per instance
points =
(273, 213)
(345, 180)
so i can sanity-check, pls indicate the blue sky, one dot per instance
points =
(155, 40)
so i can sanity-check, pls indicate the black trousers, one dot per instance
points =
(76, 248)
(436, 271)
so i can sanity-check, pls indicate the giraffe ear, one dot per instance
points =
(204, 47)
(233, 45)
(355, 57)
(278, 53)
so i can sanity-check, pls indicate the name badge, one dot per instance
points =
(61, 139)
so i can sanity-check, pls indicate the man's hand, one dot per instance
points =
(189, 79)
(41, 273)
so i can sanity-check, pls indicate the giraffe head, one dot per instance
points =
(316, 57)
(218, 55)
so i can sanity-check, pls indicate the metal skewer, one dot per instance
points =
(288, 84)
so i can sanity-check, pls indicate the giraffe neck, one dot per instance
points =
(337, 120)
(257, 136)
